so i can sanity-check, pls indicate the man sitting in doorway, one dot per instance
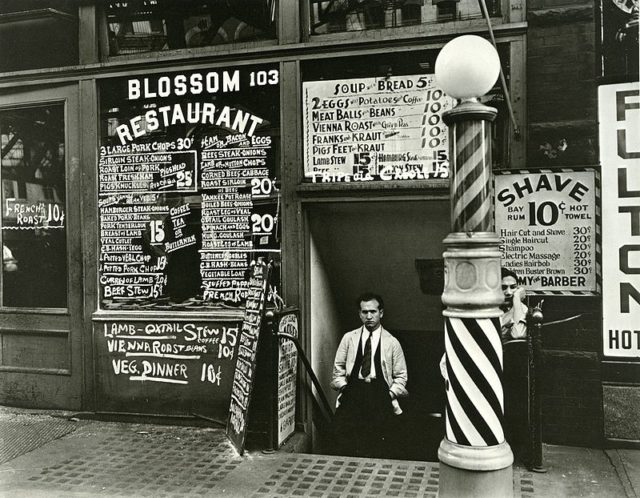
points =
(513, 321)
(514, 318)
(371, 374)
(515, 362)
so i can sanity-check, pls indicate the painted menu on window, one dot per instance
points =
(187, 186)
(368, 129)
(175, 366)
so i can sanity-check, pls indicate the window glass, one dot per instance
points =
(38, 34)
(188, 192)
(34, 250)
(379, 118)
(619, 39)
(329, 16)
(136, 26)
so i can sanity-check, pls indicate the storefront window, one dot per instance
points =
(619, 42)
(357, 15)
(38, 33)
(136, 26)
(188, 186)
(379, 119)
(34, 250)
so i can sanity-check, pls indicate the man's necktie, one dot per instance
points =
(366, 358)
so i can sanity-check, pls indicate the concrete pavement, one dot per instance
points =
(51, 454)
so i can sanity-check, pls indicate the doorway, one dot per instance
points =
(40, 281)
(393, 248)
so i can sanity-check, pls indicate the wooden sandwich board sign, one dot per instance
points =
(244, 374)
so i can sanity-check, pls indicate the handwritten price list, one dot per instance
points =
(375, 129)
(170, 352)
(150, 171)
(287, 370)
(247, 351)
(231, 214)
(19, 214)
(126, 270)
(237, 174)
(166, 366)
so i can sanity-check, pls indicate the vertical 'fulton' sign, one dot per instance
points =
(619, 118)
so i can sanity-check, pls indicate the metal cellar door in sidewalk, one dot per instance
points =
(40, 282)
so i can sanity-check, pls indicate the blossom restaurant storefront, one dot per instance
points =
(171, 170)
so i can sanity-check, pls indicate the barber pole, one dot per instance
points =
(475, 407)
(471, 182)
(475, 459)
(472, 331)
(472, 294)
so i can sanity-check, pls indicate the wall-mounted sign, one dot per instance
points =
(375, 129)
(619, 117)
(546, 221)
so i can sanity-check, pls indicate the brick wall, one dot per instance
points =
(561, 84)
(562, 132)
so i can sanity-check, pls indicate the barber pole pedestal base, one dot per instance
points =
(468, 471)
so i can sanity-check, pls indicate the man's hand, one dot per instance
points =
(392, 394)
(519, 294)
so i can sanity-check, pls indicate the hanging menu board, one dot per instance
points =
(375, 129)
(187, 187)
(247, 351)
(546, 221)
(176, 366)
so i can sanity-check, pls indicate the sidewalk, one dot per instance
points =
(47, 454)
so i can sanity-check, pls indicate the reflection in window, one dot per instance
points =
(137, 26)
(619, 43)
(329, 16)
(33, 207)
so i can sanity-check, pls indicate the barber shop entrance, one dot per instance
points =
(392, 248)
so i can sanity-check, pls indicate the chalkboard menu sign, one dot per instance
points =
(247, 351)
(188, 196)
(174, 366)
(287, 324)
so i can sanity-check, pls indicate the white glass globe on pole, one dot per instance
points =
(467, 67)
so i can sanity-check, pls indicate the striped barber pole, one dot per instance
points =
(474, 411)
(472, 188)
(474, 435)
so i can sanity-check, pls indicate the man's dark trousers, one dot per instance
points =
(364, 421)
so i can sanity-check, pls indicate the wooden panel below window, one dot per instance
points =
(38, 352)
